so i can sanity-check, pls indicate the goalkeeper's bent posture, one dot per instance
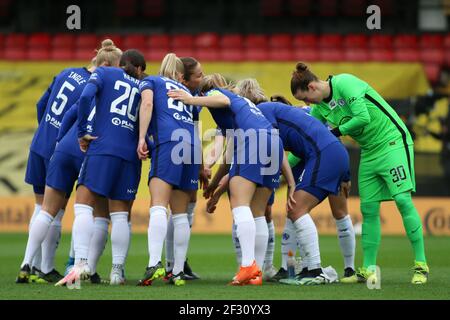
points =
(386, 172)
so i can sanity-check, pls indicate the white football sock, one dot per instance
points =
(169, 244)
(157, 230)
(191, 213)
(129, 243)
(120, 237)
(181, 235)
(36, 236)
(308, 239)
(245, 231)
(50, 243)
(83, 227)
(237, 245)
(347, 242)
(268, 260)
(71, 250)
(98, 242)
(261, 239)
(288, 242)
(38, 256)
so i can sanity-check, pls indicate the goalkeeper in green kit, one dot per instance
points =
(386, 171)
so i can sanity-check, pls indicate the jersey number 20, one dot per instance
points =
(129, 94)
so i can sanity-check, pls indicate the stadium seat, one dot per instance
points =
(39, 40)
(38, 54)
(355, 41)
(85, 54)
(328, 8)
(207, 54)
(300, 8)
(16, 40)
(306, 54)
(63, 41)
(158, 41)
(380, 41)
(232, 54)
(305, 41)
(231, 41)
(433, 72)
(256, 54)
(281, 54)
(182, 41)
(434, 56)
(116, 38)
(382, 55)
(447, 58)
(447, 41)
(330, 41)
(331, 55)
(183, 52)
(356, 55)
(428, 41)
(405, 41)
(256, 41)
(136, 41)
(155, 54)
(13, 54)
(353, 8)
(207, 40)
(406, 55)
(280, 40)
(152, 8)
(87, 41)
(62, 54)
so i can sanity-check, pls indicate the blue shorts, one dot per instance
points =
(36, 172)
(271, 199)
(323, 174)
(248, 164)
(110, 176)
(180, 169)
(63, 171)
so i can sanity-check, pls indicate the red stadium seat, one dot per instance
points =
(330, 41)
(38, 54)
(85, 54)
(63, 41)
(306, 54)
(355, 41)
(16, 40)
(384, 55)
(152, 8)
(155, 54)
(280, 40)
(433, 72)
(331, 55)
(406, 55)
(300, 8)
(207, 40)
(328, 8)
(256, 41)
(281, 54)
(405, 41)
(431, 41)
(136, 41)
(356, 55)
(447, 58)
(305, 41)
(434, 56)
(207, 54)
(184, 41)
(62, 54)
(381, 41)
(116, 38)
(184, 52)
(39, 40)
(12, 53)
(232, 54)
(447, 41)
(158, 41)
(87, 41)
(256, 54)
(231, 41)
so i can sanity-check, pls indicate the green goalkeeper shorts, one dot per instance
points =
(391, 174)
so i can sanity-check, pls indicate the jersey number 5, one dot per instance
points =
(129, 94)
(57, 110)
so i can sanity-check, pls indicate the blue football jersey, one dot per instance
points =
(64, 91)
(117, 100)
(171, 119)
(301, 133)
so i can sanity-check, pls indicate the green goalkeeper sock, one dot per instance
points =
(412, 224)
(371, 232)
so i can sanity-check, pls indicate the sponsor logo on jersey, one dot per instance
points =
(116, 121)
(351, 100)
(183, 118)
(52, 121)
(122, 123)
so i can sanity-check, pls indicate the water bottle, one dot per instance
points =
(291, 265)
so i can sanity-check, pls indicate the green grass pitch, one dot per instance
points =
(212, 257)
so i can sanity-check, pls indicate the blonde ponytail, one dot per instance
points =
(171, 67)
(250, 89)
(108, 54)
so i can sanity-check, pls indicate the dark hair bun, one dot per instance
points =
(300, 67)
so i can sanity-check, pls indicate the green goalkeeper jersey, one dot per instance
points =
(360, 112)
